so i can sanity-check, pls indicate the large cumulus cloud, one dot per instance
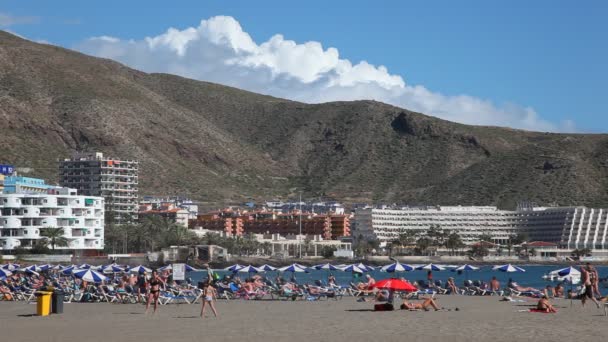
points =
(219, 50)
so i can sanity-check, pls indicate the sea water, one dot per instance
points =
(531, 278)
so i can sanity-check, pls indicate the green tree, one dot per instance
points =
(55, 237)
(407, 238)
(454, 242)
(423, 244)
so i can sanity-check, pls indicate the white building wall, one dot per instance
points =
(569, 227)
(24, 216)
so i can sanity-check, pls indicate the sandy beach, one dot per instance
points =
(478, 319)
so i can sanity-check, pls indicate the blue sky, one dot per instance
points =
(548, 56)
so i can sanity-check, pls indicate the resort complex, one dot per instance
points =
(564, 227)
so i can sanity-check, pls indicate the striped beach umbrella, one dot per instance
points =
(28, 270)
(248, 269)
(89, 275)
(45, 267)
(84, 267)
(59, 267)
(466, 267)
(234, 268)
(295, 268)
(354, 269)
(33, 268)
(397, 267)
(367, 268)
(112, 269)
(140, 269)
(10, 267)
(68, 270)
(508, 268)
(5, 273)
(327, 267)
(431, 267)
(266, 268)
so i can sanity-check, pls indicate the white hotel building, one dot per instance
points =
(24, 215)
(568, 227)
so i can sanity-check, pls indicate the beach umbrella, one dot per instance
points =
(112, 269)
(295, 268)
(89, 275)
(395, 284)
(10, 267)
(572, 273)
(568, 272)
(5, 273)
(368, 268)
(466, 267)
(190, 268)
(396, 267)
(248, 269)
(58, 267)
(68, 270)
(508, 268)
(45, 267)
(140, 269)
(328, 267)
(266, 268)
(431, 267)
(234, 268)
(29, 270)
(33, 268)
(354, 269)
(84, 267)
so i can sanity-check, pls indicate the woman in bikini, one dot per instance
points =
(420, 306)
(545, 305)
(154, 284)
(208, 298)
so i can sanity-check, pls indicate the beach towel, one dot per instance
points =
(539, 311)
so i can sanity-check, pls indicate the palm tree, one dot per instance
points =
(55, 237)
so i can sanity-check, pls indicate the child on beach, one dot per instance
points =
(209, 296)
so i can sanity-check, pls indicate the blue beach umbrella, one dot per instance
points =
(68, 270)
(508, 268)
(248, 269)
(368, 268)
(266, 268)
(140, 269)
(10, 267)
(328, 267)
(431, 267)
(295, 268)
(112, 269)
(33, 268)
(466, 267)
(5, 273)
(84, 267)
(89, 275)
(396, 267)
(234, 268)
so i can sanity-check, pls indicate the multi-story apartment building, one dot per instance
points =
(567, 227)
(24, 215)
(115, 180)
(329, 227)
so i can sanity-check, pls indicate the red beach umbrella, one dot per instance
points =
(395, 284)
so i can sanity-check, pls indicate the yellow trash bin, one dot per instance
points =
(43, 301)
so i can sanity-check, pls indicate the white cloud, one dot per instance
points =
(7, 20)
(218, 50)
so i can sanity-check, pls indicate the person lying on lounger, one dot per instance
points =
(545, 305)
(515, 286)
(429, 302)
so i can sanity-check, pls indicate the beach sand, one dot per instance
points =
(479, 319)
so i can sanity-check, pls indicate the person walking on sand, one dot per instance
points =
(587, 280)
(154, 284)
(209, 296)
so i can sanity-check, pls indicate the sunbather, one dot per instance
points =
(515, 286)
(545, 305)
(429, 302)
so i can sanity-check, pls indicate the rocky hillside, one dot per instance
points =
(221, 144)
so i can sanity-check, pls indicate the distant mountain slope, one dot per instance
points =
(221, 144)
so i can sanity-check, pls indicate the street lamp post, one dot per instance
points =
(300, 234)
